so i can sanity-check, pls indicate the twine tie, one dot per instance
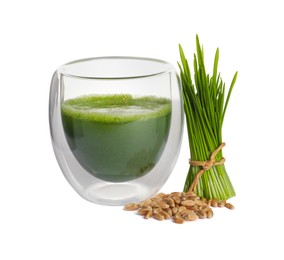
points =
(206, 165)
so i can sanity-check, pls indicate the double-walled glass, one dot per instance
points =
(116, 126)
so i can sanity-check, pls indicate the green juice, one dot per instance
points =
(116, 138)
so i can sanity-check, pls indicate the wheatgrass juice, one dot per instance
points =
(116, 138)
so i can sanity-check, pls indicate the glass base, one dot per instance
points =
(116, 194)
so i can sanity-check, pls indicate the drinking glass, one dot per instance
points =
(116, 126)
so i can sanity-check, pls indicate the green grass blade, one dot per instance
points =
(229, 95)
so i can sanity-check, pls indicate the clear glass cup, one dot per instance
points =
(116, 126)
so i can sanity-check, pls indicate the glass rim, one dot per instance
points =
(167, 67)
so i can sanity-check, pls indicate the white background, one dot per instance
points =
(42, 217)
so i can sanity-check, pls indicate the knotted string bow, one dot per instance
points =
(206, 165)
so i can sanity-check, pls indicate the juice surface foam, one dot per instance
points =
(116, 108)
